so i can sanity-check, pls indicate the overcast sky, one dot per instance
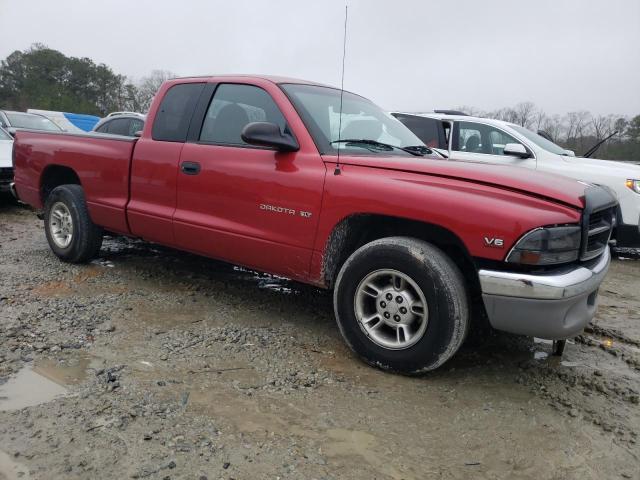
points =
(564, 55)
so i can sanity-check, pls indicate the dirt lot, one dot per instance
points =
(150, 363)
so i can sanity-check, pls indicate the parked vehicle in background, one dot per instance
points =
(125, 123)
(6, 163)
(496, 141)
(69, 122)
(256, 171)
(11, 120)
(113, 114)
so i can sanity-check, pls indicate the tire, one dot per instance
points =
(423, 272)
(71, 234)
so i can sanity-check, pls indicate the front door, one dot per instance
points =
(248, 205)
(480, 142)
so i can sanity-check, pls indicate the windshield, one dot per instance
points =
(538, 140)
(4, 135)
(319, 108)
(27, 120)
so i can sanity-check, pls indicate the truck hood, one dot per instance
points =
(554, 187)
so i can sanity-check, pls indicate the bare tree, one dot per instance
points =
(148, 86)
(603, 126)
(577, 126)
(525, 113)
(505, 114)
(540, 119)
(554, 127)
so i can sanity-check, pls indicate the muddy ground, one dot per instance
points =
(151, 363)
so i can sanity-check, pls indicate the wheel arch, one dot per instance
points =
(358, 229)
(55, 175)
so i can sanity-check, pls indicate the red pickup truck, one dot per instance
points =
(268, 173)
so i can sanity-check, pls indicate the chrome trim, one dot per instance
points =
(12, 189)
(506, 259)
(564, 282)
(599, 230)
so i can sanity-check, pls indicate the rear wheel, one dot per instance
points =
(401, 305)
(71, 234)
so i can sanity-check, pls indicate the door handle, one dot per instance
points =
(190, 168)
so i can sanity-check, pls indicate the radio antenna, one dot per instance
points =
(337, 171)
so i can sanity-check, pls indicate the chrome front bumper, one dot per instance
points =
(9, 187)
(553, 305)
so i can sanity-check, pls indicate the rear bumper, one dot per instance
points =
(554, 305)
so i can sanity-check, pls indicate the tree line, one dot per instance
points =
(46, 79)
(43, 78)
(577, 131)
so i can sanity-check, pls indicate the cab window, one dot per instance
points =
(172, 120)
(232, 108)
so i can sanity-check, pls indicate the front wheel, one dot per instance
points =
(71, 234)
(401, 305)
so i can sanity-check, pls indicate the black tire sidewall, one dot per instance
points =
(73, 197)
(435, 346)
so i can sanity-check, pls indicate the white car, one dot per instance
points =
(462, 137)
(6, 163)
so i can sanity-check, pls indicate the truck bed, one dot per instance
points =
(102, 162)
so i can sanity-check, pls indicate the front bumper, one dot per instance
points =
(6, 179)
(553, 305)
(627, 236)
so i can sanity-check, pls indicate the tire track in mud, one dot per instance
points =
(597, 379)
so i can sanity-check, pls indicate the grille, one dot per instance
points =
(598, 220)
(598, 232)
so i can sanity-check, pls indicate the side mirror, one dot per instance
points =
(570, 153)
(516, 150)
(12, 131)
(267, 134)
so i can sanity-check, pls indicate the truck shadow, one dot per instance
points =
(304, 307)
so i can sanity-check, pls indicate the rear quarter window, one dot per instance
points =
(171, 123)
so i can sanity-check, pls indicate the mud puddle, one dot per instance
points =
(42, 382)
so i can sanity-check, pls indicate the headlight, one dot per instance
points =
(547, 246)
(634, 185)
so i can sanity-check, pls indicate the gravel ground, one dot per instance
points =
(152, 363)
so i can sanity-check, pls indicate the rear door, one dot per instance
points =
(249, 205)
(154, 168)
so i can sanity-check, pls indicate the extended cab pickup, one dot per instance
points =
(268, 173)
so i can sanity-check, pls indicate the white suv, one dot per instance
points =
(6, 163)
(462, 137)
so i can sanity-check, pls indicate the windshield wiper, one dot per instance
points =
(595, 148)
(416, 150)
